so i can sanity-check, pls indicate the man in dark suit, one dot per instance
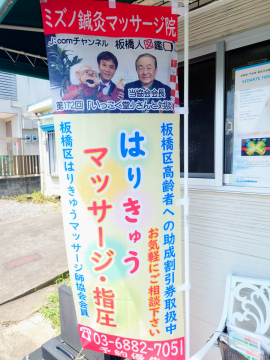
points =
(147, 89)
(107, 66)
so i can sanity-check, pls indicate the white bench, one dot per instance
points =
(246, 304)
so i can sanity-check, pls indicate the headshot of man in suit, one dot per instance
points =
(107, 66)
(146, 67)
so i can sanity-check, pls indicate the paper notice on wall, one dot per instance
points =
(251, 152)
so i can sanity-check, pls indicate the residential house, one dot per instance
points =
(48, 157)
(19, 142)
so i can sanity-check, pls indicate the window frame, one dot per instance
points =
(221, 182)
(52, 154)
(194, 60)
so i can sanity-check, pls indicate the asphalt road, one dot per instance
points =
(19, 239)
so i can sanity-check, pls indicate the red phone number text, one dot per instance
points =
(131, 348)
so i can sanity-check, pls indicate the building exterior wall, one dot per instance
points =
(49, 184)
(229, 226)
(229, 232)
(29, 90)
(232, 18)
(31, 148)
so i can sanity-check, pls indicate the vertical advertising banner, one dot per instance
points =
(111, 60)
(251, 153)
(111, 72)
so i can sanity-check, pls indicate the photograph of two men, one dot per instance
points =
(111, 75)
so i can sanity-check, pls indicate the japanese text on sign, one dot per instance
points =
(100, 20)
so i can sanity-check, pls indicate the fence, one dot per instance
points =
(19, 165)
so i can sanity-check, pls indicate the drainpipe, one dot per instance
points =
(19, 124)
(41, 146)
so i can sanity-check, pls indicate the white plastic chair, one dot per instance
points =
(254, 303)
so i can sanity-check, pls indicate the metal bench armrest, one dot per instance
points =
(201, 353)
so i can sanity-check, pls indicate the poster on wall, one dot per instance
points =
(111, 72)
(251, 152)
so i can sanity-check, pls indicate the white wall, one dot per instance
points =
(29, 90)
(30, 148)
(50, 184)
(228, 233)
(3, 144)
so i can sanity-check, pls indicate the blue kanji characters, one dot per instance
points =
(168, 185)
(170, 290)
(169, 239)
(81, 296)
(79, 277)
(166, 129)
(80, 287)
(169, 253)
(169, 265)
(167, 158)
(170, 304)
(83, 305)
(168, 199)
(65, 127)
(84, 312)
(170, 316)
(67, 153)
(66, 141)
(167, 143)
(168, 171)
(67, 144)
(169, 278)
(171, 328)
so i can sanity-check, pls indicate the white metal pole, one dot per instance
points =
(186, 203)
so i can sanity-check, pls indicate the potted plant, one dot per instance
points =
(59, 66)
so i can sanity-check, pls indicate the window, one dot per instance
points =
(211, 108)
(238, 58)
(201, 116)
(53, 165)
